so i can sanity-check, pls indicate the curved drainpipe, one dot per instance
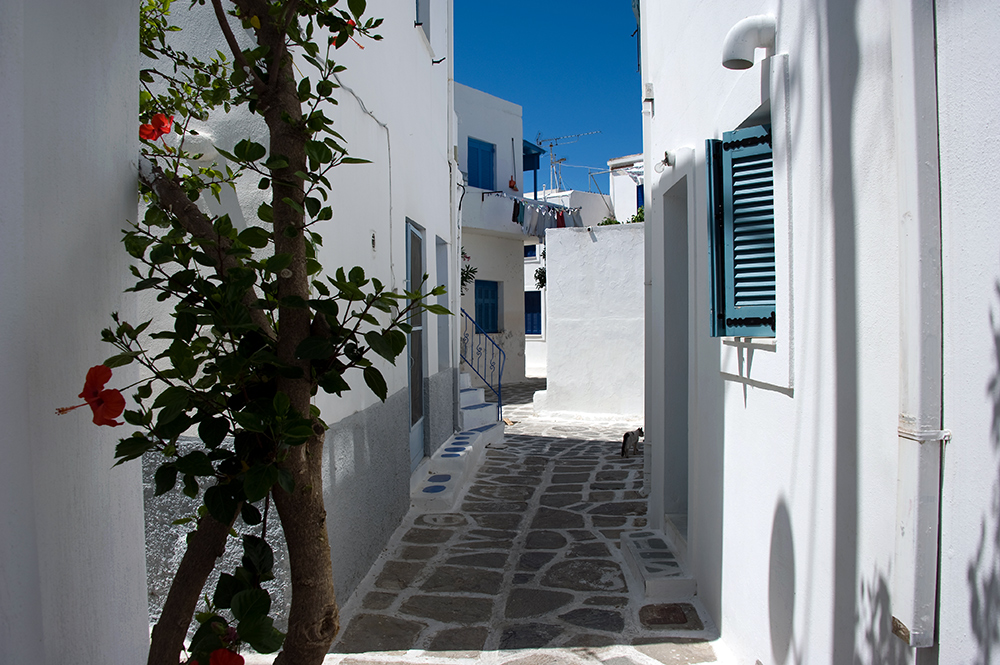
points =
(747, 36)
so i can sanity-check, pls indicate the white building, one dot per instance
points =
(625, 183)
(490, 157)
(69, 133)
(797, 449)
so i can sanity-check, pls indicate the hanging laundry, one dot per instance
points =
(516, 212)
(520, 215)
(560, 220)
(577, 220)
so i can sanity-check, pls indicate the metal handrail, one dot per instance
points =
(477, 358)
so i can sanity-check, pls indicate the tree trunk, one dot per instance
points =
(314, 619)
(205, 544)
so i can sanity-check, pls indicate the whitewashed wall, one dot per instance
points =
(793, 449)
(792, 472)
(500, 259)
(622, 188)
(493, 120)
(535, 346)
(395, 109)
(594, 321)
(72, 572)
(970, 545)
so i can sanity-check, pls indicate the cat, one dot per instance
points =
(630, 442)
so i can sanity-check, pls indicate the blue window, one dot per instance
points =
(640, 197)
(488, 305)
(741, 233)
(532, 312)
(530, 251)
(482, 157)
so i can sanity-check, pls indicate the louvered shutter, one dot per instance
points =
(741, 204)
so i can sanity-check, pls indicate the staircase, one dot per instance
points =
(476, 411)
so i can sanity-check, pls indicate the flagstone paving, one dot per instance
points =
(527, 568)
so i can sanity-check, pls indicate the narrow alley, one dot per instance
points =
(528, 567)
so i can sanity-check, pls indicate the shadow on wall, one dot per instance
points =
(984, 569)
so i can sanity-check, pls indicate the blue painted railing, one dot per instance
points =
(484, 356)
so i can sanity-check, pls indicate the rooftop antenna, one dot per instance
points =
(555, 165)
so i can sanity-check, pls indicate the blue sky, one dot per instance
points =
(570, 64)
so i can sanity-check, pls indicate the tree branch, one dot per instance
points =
(205, 544)
(195, 222)
(220, 15)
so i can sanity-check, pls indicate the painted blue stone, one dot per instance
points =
(451, 455)
(455, 449)
(434, 489)
(440, 478)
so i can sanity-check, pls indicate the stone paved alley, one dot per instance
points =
(527, 568)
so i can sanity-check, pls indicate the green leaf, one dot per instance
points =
(357, 7)
(327, 307)
(264, 183)
(161, 254)
(259, 480)
(248, 151)
(357, 276)
(251, 604)
(255, 236)
(265, 213)
(376, 382)
(165, 478)
(248, 421)
(132, 448)
(278, 262)
(195, 463)
(220, 503)
(314, 348)
(171, 396)
(227, 587)
(121, 359)
(258, 556)
(261, 635)
(190, 486)
(355, 160)
(281, 403)
(285, 480)
(251, 516)
(380, 345)
(437, 309)
(213, 431)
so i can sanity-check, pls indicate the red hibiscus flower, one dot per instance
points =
(106, 404)
(158, 125)
(225, 657)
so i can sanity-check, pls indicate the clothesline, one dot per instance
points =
(532, 203)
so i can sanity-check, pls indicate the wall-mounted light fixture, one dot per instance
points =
(669, 159)
(745, 37)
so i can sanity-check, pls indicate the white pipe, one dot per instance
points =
(921, 436)
(747, 36)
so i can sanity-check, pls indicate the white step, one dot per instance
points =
(472, 396)
(464, 380)
(662, 575)
(478, 415)
(440, 481)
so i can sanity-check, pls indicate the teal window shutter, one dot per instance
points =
(488, 305)
(482, 156)
(741, 233)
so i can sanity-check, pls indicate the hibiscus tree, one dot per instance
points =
(255, 329)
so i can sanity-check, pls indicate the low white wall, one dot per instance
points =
(595, 321)
(72, 573)
(535, 346)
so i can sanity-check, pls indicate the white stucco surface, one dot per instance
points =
(500, 260)
(622, 186)
(594, 321)
(793, 442)
(72, 567)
